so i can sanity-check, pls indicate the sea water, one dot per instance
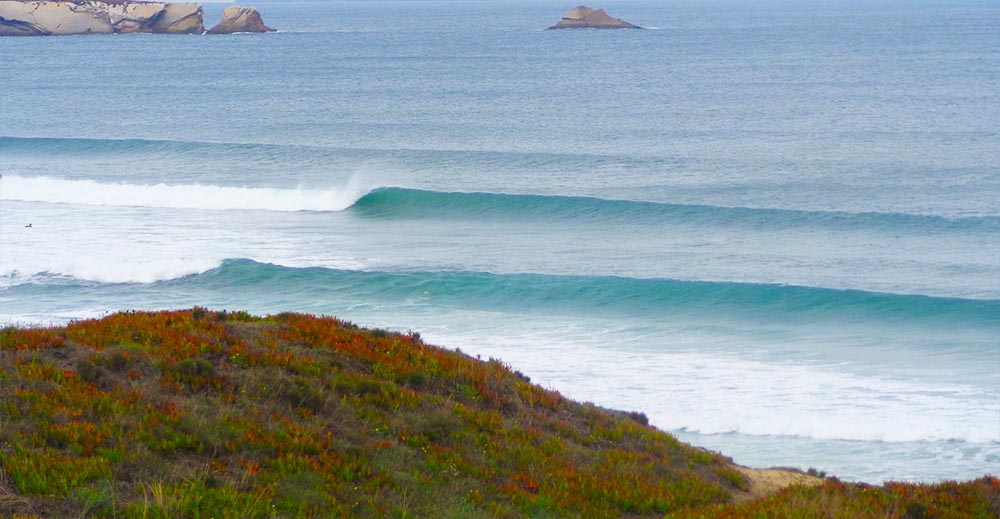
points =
(773, 227)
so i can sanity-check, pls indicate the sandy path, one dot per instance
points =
(768, 481)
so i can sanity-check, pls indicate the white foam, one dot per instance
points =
(49, 319)
(135, 270)
(718, 393)
(182, 196)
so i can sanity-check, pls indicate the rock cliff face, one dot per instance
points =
(61, 17)
(583, 17)
(180, 19)
(240, 19)
(49, 18)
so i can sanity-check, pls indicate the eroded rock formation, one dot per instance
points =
(62, 17)
(50, 18)
(180, 19)
(240, 19)
(583, 17)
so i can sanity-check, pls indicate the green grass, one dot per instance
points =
(979, 499)
(197, 414)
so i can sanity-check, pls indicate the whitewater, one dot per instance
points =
(774, 229)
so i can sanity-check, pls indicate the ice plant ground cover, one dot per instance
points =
(197, 413)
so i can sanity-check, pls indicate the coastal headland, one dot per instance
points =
(197, 413)
(74, 17)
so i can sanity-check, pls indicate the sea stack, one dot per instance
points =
(240, 19)
(583, 17)
(55, 18)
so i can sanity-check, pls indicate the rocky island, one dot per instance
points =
(66, 17)
(583, 17)
(240, 19)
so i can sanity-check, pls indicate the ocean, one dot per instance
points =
(773, 227)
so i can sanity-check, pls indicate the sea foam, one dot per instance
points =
(184, 196)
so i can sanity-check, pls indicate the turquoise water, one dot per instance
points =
(773, 227)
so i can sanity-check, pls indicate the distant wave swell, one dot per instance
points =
(414, 203)
(597, 293)
(276, 153)
(588, 295)
(602, 295)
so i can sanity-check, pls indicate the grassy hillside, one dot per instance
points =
(205, 414)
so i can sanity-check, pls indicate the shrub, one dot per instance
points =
(299, 416)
